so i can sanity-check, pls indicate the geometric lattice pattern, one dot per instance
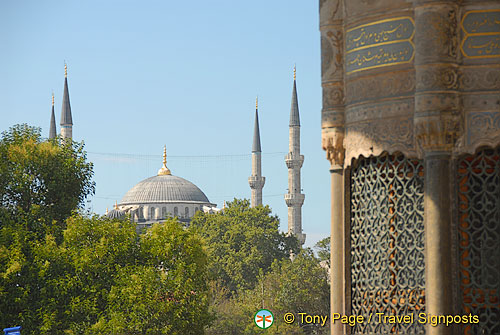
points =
(479, 239)
(387, 242)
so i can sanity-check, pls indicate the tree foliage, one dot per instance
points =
(323, 249)
(298, 286)
(105, 279)
(42, 182)
(240, 241)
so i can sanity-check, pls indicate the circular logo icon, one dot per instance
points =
(263, 319)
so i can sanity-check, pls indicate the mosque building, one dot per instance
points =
(158, 197)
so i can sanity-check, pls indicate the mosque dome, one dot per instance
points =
(164, 188)
(156, 198)
(116, 214)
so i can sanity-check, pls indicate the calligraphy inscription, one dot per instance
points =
(481, 34)
(380, 43)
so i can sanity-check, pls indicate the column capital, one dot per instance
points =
(437, 133)
(332, 141)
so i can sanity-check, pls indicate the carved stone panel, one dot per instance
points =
(374, 137)
(436, 34)
(475, 78)
(332, 58)
(437, 78)
(329, 11)
(483, 128)
(360, 8)
(385, 85)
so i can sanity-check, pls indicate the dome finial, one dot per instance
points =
(52, 98)
(165, 155)
(116, 204)
(294, 72)
(65, 70)
(257, 102)
(107, 211)
(164, 170)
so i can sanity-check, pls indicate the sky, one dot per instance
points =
(185, 74)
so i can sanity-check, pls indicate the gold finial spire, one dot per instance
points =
(52, 98)
(224, 206)
(257, 102)
(116, 204)
(65, 70)
(294, 72)
(165, 155)
(107, 211)
(164, 170)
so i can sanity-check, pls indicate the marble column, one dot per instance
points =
(437, 218)
(437, 122)
(337, 287)
(332, 127)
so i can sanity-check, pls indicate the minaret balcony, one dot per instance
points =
(294, 160)
(294, 200)
(256, 182)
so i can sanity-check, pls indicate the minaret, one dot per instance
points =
(256, 180)
(294, 199)
(52, 131)
(66, 119)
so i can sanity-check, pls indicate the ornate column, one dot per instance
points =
(332, 125)
(333, 144)
(437, 127)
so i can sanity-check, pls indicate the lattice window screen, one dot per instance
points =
(387, 242)
(479, 239)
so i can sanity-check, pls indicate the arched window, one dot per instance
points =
(187, 212)
(176, 211)
(164, 212)
(152, 211)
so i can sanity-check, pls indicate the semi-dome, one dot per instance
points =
(115, 214)
(164, 188)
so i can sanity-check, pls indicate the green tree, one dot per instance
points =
(105, 279)
(42, 182)
(323, 249)
(167, 292)
(241, 241)
(298, 286)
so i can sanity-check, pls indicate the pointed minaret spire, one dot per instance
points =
(256, 181)
(66, 118)
(52, 131)
(294, 110)
(294, 198)
(256, 132)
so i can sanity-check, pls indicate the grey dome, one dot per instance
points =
(164, 189)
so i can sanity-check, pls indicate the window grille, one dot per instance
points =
(387, 242)
(479, 239)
